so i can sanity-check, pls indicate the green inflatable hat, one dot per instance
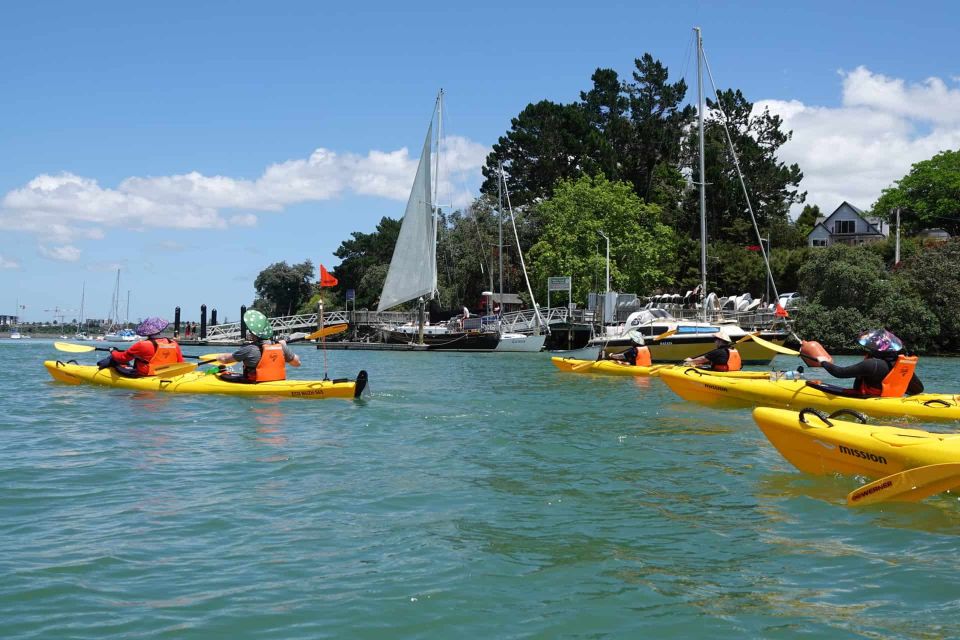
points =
(258, 324)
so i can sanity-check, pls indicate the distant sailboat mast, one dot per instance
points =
(436, 187)
(703, 180)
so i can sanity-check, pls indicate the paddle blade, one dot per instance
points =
(583, 366)
(69, 347)
(178, 369)
(332, 330)
(665, 334)
(911, 485)
(773, 346)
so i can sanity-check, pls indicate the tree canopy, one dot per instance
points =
(641, 246)
(365, 258)
(282, 288)
(928, 196)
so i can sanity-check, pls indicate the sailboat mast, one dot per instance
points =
(703, 179)
(83, 296)
(500, 231)
(126, 319)
(436, 187)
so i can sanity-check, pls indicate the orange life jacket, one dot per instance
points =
(643, 357)
(164, 353)
(895, 383)
(733, 362)
(272, 365)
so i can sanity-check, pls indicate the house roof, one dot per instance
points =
(858, 212)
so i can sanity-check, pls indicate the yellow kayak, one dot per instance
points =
(820, 445)
(614, 368)
(606, 367)
(200, 382)
(726, 392)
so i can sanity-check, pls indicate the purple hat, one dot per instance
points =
(151, 326)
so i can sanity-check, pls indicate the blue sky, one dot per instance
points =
(193, 144)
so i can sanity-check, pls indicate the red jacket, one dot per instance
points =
(141, 353)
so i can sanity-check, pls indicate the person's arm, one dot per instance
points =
(230, 358)
(864, 368)
(706, 358)
(142, 350)
(291, 358)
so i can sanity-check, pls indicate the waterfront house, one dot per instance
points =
(848, 225)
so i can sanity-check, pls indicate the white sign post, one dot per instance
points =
(560, 283)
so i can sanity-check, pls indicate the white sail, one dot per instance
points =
(413, 268)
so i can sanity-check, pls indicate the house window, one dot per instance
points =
(819, 242)
(845, 226)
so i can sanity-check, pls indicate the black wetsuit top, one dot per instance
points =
(719, 356)
(872, 371)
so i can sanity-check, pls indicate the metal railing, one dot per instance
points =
(522, 321)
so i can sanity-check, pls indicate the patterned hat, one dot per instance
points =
(258, 324)
(151, 326)
(636, 338)
(880, 340)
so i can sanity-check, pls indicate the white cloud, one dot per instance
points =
(64, 207)
(7, 263)
(884, 126)
(63, 253)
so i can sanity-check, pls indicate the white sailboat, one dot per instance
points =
(413, 268)
(689, 338)
(15, 331)
(114, 333)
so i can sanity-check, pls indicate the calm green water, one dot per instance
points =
(480, 496)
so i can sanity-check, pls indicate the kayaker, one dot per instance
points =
(146, 354)
(637, 354)
(723, 358)
(884, 371)
(263, 359)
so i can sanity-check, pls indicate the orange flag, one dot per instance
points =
(327, 280)
(780, 312)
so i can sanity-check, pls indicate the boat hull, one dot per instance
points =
(520, 343)
(201, 383)
(850, 447)
(726, 392)
(447, 341)
(676, 349)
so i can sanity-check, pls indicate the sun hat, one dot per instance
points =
(636, 338)
(879, 340)
(722, 334)
(151, 326)
(258, 324)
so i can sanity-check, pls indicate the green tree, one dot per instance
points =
(928, 196)
(807, 219)
(848, 290)
(641, 246)
(932, 274)
(547, 142)
(773, 186)
(363, 254)
(282, 288)
(659, 119)
(623, 130)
